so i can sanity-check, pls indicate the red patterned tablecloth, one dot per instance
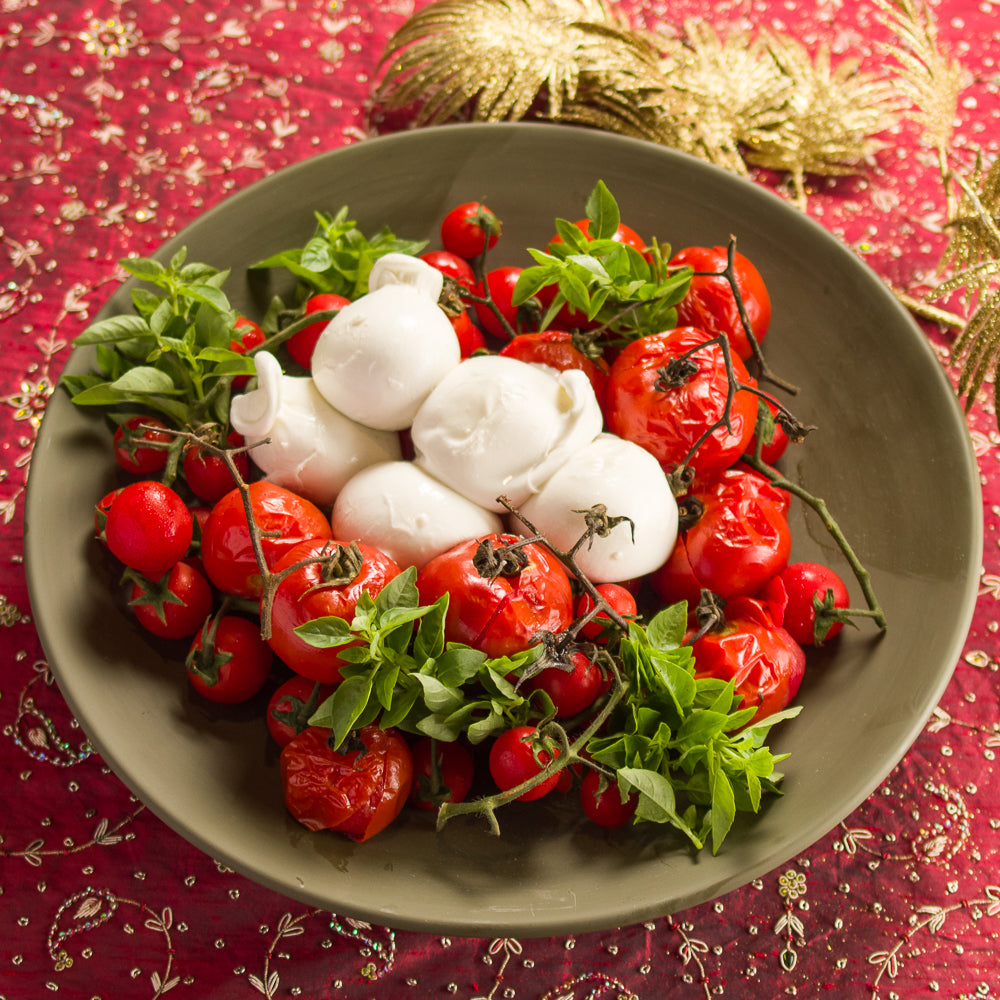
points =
(120, 122)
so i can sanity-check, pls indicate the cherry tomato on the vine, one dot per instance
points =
(101, 509)
(501, 282)
(572, 691)
(176, 605)
(466, 229)
(301, 345)
(668, 416)
(618, 597)
(515, 758)
(604, 806)
(771, 450)
(226, 549)
(556, 349)
(229, 662)
(249, 336)
(208, 475)
(710, 304)
(447, 780)
(802, 581)
(329, 586)
(357, 790)
(291, 706)
(132, 454)
(470, 337)
(451, 266)
(148, 527)
(498, 613)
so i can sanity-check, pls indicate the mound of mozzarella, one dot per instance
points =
(483, 428)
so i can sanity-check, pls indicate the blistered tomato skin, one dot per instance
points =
(304, 595)
(498, 614)
(226, 550)
(555, 348)
(669, 420)
(357, 790)
(710, 304)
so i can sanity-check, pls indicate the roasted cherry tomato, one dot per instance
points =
(148, 527)
(765, 663)
(301, 345)
(802, 583)
(556, 349)
(176, 605)
(604, 806)
(517, 755)
(292, 705)
(226, 549)
(135, 456)
(451, 266)
(739, 538)
(208, 475)
(498, 611)
(466, 229)
(710, 304)
(618, 597)
(572, 691)
(447, 780)
(501, 282)
(229, 662)
(357, 790)
(668, 416)
(329, 586)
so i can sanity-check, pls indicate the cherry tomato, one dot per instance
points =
(357, 790)
(101, 509)
(556, 349)
(623, 234)
(250, 335)
(132, 455)
(739, 540)
(604, 806)
(176, 605)
(802, 581)
(572, 691)
(291, 706)
(710, 304)
(514, 759)
(771, 450)
(497, 613)
(451, 783)
(226, 549)
(208, 475)
(470, 337)
(229, 662)
(312, 591)
(761, 658)
(465, 229)
(667, 420)
(301, 345)
(451, 266)
(618, 597)
(501, 282)
(148, 527)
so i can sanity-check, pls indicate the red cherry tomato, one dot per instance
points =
(501, 282)
(771, 450)
(132, 455)
(514, 759)
(292, 705)
(605, 807)
(453, 777)
(466, 229)
(572, 691)
(710, 304)
(761, 658)
(451, 266)
(250, 335)
(556, 349)
(668, 420)
(101, 509)
(306, 593)
(148, 527)
(208, 475)
(498, 614)
(802, 581)
(176, 605)
(739, 541)
(226, 549)
(357, 790)
(470, 337)
(302, 344)
(618, 597)
(229, 662)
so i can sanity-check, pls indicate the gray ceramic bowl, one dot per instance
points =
(891, 457)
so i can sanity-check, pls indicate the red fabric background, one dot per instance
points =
(120, 122)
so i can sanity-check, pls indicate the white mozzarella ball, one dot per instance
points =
(312, 449)
(412, 517)
(495, 425)
(379, 357)
(629, 482)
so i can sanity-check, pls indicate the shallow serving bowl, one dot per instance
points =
(891, 457)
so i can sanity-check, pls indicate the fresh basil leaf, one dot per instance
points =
(603, 212)
(325, 633)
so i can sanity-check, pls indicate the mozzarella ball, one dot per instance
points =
(311, 449)
(398, 508)
(495, 425)
(629, 482)
(379, 357)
